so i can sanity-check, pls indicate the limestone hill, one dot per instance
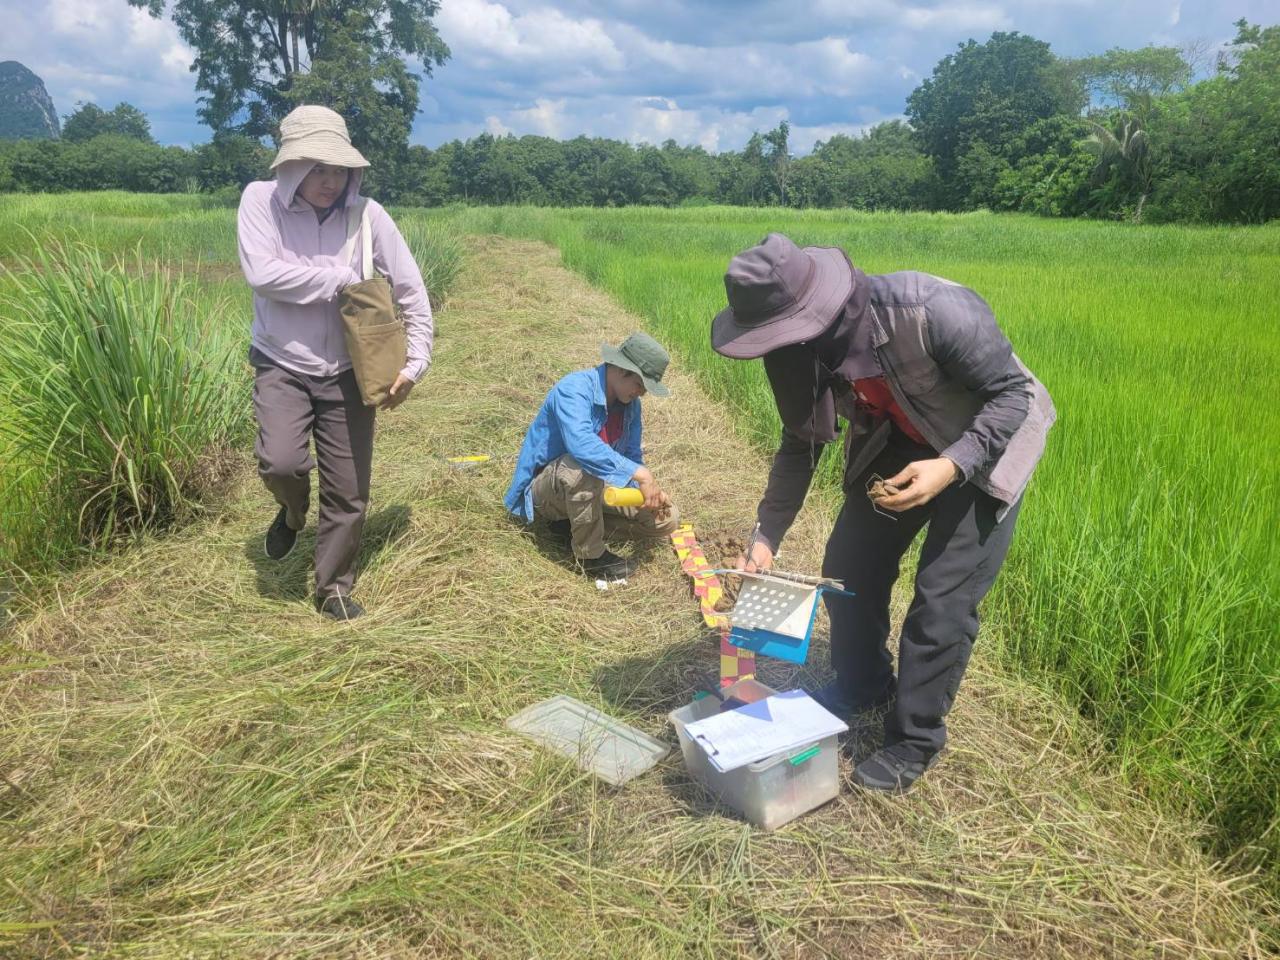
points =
(26, 109)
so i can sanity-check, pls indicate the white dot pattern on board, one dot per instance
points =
(768, 606)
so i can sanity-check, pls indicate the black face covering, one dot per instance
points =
(844, 349)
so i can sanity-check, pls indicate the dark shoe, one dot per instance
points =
(339, 606)
(890, 770)
(833, 698)
(560, 532)
(607, 566)
(280, 537)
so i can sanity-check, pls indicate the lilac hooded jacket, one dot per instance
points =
(292, 261)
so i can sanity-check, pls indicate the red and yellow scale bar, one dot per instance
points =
(735, 663)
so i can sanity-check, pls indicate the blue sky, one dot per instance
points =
(641, 70)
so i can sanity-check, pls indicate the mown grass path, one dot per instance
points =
(195, 764)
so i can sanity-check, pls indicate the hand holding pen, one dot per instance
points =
(757, 557)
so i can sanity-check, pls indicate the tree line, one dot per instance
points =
(1000, 125)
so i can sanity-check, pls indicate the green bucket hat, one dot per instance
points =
(641, 354)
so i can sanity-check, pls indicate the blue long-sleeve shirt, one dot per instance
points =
(570, 421)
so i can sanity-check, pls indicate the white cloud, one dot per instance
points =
(703, 73)
(543, 52)
(657, 119)
(827, 66)
(957, 18)
(159, 37)
(711, 128)
(545, 117)
(101, 51)
(838, 69)
(476, 24)
(492, 33)
(71, 17)
(634, 119)
(889, 14)
(125, 35)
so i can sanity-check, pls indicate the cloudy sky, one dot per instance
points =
(704, 72)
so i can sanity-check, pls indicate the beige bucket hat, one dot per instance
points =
(318, 134)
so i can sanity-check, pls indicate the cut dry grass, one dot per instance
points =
(194, 764)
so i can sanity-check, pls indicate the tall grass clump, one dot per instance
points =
(439, 252)
(121, 390)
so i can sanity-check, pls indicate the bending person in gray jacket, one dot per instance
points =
(945, 427)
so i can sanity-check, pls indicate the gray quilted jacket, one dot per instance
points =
(950, 368)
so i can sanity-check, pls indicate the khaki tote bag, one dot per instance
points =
(370, 321)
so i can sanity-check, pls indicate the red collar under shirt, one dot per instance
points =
(872, 394)
(611, 432)
(847, 353)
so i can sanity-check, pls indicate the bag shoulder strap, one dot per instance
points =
(366, 244)
(357, 222)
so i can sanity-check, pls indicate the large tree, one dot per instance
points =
(977, 102)
(257, 59)
(779, 157)
(1220, 139)
(89, 120)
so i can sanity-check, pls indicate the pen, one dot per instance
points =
(751, 544)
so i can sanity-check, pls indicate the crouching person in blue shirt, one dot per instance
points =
(587, 437)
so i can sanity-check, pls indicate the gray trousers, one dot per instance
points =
(293, 410)
(565, 491)
(962, 553)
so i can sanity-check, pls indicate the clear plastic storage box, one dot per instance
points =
(772, 791)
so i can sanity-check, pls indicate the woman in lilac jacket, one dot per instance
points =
(292, 232)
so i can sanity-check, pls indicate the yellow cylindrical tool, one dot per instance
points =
(623, 497)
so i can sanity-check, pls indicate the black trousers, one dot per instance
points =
(962, 553)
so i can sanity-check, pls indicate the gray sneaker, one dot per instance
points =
(891, 770)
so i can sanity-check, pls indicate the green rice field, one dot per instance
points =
(1144, 581)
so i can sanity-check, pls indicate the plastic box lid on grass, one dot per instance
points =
(612, 750)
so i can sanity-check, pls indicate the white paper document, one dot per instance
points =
(782, 722)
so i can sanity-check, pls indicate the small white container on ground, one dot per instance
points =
(772, 791)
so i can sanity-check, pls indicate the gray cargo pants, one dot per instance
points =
(293, 409)
(565, 491)
(962, 553)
